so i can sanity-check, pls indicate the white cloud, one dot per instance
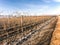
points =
(53, 11)
(47, 1)
(38, 9)
(56, 0)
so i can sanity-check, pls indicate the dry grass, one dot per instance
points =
(6, 23)
(15, 21)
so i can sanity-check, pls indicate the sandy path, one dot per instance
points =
(56, 34)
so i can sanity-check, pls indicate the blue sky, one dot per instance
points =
(30, 6)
